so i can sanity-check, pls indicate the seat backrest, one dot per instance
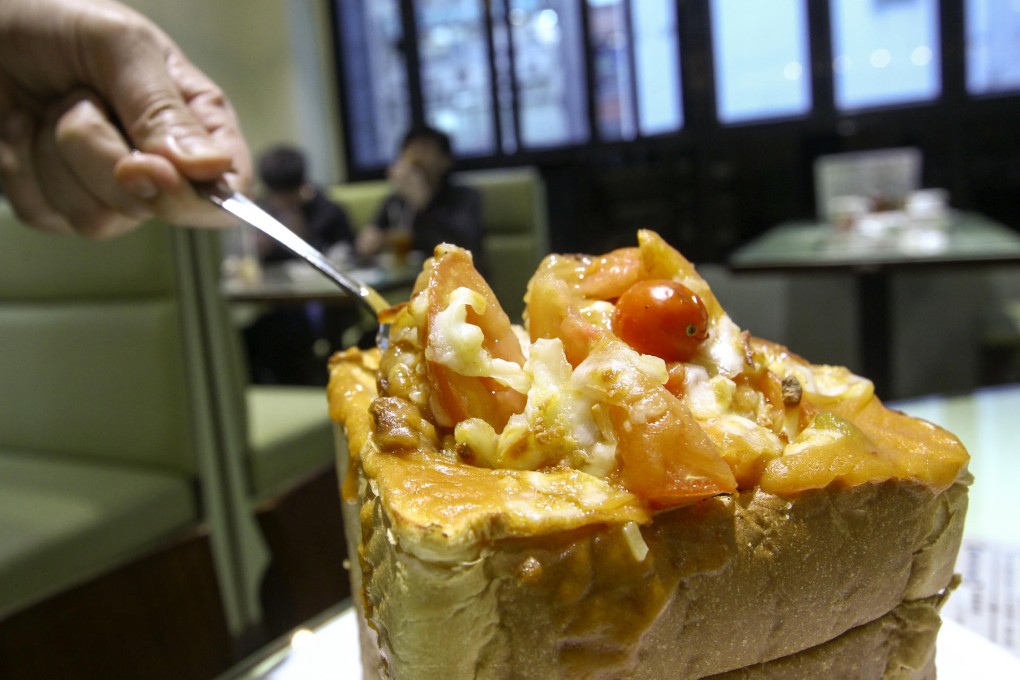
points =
(516, 229)
(361, 200)
(122, 352)
(93, 346)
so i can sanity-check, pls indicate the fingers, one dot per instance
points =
(19, 179)
(59, 172)
(100, 163)
(213, 111)
(74, 172)
(176, 200)
(78, 159)
(165, 105)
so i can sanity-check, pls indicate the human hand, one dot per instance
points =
(369, 240)
(104, 122)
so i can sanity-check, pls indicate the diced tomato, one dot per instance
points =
(663, 454)
(608, 276)
(669, 460)
(554, 302)
(677, 375)
(458, 397)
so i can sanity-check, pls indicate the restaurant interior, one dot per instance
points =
(845, 174)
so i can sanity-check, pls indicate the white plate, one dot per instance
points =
(332, 652)
(962, 654)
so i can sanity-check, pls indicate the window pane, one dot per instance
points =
(993, 46)
(378, 106)
(656, 51)
(455, 76)
(762, 69)
(610, 45)
(549, 70)
(885, 52)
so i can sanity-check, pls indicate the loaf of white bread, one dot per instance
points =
(631, 487)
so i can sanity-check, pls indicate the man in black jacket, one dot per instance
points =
(425, 206)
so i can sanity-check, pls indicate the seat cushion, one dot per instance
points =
(361, 200)
(65, 519)
(289, 435)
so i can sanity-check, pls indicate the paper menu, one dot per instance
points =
(988, 600)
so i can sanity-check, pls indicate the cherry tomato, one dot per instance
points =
(663, 318)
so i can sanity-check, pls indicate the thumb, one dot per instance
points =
(152, 92)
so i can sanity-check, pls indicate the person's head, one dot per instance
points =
(282, 171)
(428, 150)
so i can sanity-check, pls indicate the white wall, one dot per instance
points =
(272, 59)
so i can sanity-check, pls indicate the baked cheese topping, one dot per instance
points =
(567, 392)
(457, 344)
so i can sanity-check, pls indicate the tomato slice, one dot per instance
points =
(608, 276)
(669, 461)
(554, 303)
(663, 454)
(456, 397)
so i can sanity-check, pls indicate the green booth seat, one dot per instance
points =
(63, 520)
(289, 435)
(126, 422)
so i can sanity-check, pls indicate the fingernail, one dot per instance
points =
(141, 187)
(198, 146)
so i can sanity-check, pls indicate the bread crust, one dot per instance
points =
(897, 646)
(728, 583)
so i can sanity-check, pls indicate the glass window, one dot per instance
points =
(610, 45)
(548, 56)
(993, 46)
(762, 65)
(378, 104)
(657, 62)
(637, 65)
(455, 76)
(885, 52)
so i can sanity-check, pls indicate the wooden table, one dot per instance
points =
(872, 254)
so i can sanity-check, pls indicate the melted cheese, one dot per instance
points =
(457, 344)
(731, 388)
(707, 397)
(562, 422)
(725, 350)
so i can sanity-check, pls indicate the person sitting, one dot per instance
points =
(289, 344)
(299, 204)
(425, 205)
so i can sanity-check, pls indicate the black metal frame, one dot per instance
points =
(718, 162)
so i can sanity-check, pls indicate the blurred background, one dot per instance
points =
(700, 120)
(716, 123)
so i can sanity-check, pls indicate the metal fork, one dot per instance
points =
(250, 213)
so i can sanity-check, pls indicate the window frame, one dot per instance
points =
(701, 132)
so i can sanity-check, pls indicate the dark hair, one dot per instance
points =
(282, 168)
(424, 133)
